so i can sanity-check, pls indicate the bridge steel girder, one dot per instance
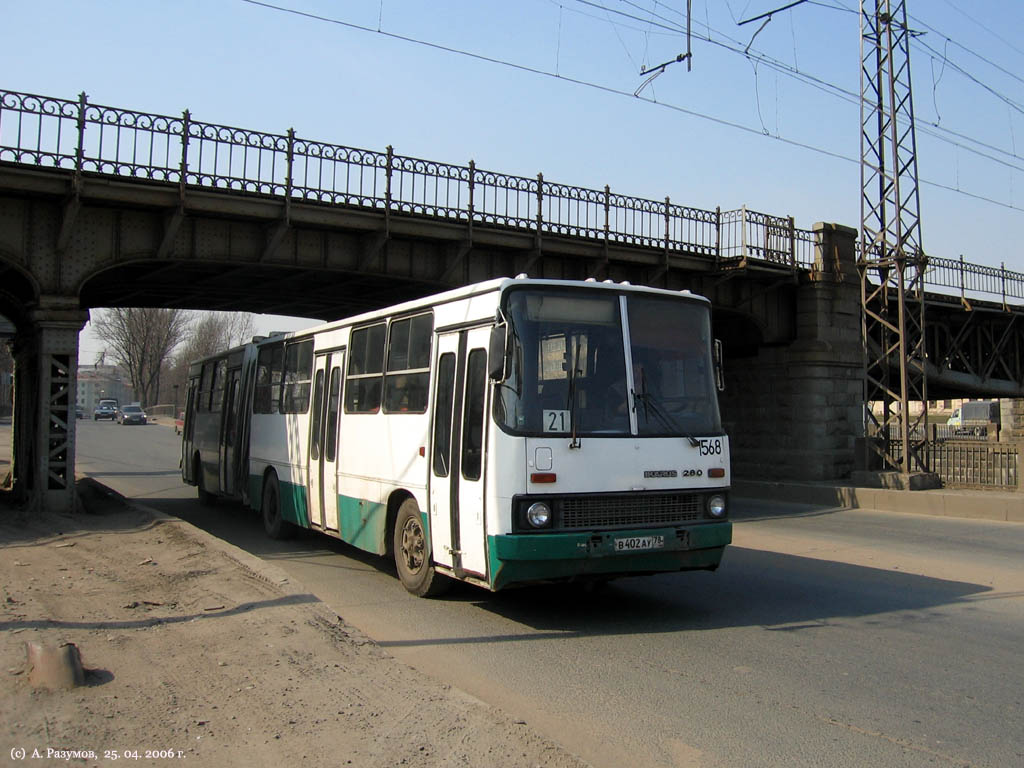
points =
(976, 352)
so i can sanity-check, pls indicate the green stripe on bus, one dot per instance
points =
(293, 504)
(363, 523)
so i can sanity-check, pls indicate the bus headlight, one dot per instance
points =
(538, 514)
(716, 505)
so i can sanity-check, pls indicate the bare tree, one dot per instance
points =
(208, 334)
(141, 341)
(213, 332)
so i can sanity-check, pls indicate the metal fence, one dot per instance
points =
(965, 458)
(975, 278)
(975, 464)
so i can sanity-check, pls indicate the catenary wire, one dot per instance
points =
(613, 91)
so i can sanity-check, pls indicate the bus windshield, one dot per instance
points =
(568, 373)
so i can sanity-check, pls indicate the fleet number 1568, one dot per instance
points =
(710, 446)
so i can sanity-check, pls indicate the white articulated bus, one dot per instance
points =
(508, 432)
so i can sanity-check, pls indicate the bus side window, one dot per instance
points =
(315, 433)
(220, 372)
(331, 430)
(365, 370)
(205, 387)
(408, 369)
(443, 414)
(473, 415)
(266, 397)
(298, 375)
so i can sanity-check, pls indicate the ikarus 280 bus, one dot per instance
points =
(509, 432)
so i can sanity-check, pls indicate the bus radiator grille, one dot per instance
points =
(613, 511)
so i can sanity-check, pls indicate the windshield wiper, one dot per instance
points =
(650, 403)
(572, 397)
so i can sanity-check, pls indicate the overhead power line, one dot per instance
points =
(934, 130)
(616, 92)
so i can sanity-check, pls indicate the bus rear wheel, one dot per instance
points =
(275, 525)
(412, 554)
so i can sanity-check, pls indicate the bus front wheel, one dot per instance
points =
(275, 525)
(412, 554)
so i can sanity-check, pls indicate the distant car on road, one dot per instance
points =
(105, 409)
(79, 413)
(131, 414)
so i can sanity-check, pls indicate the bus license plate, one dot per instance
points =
(634, 543)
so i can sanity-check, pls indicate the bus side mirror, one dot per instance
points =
(719, 375)
(496, 351)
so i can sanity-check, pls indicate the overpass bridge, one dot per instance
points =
(108, 207)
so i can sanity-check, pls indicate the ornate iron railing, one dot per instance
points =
(975, 278)
(92, 138)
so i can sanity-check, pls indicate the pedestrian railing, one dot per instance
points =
(967, 464)
(964, 457)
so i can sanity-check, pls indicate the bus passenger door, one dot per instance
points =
(457, 452)
(229, 435)
(322, 464)
(188, 432)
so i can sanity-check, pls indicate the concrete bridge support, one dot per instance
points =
(46, 366)
(793, 410)
(1012, 418)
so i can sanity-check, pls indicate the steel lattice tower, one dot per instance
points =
(892, 262)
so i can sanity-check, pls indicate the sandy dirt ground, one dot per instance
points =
(198, 653)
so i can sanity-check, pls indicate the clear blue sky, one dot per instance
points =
(566, 108)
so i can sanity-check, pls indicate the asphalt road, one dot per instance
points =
(827, 638)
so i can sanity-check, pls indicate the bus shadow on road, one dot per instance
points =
(775, 591)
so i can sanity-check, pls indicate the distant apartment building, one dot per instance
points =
(96, 382)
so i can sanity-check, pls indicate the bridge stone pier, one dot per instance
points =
(45, 351)
(793, 408)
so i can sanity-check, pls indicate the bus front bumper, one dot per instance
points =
(516, 559)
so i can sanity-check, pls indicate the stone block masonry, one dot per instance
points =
(793, 410)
